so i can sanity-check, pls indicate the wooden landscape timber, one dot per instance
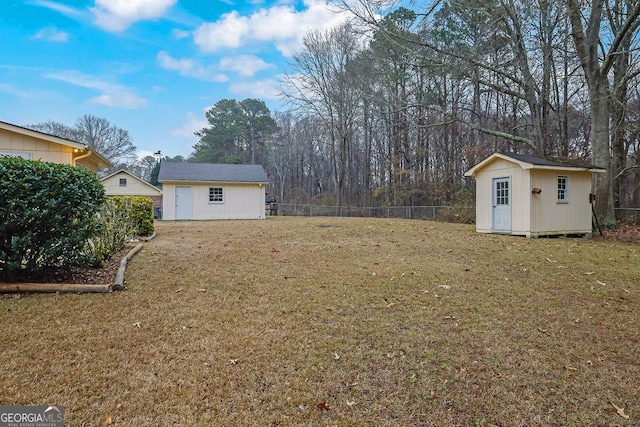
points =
(118, 281)
(54, 287)
(78, 288)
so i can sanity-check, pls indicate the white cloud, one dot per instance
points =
(60, 8)
(191, 125)
(118, 15)
(281, 25)
(111, 94)
(261, 89)
(51, 34)
(122, 99)
(180, 34)
(244, 65)
(189, 68)
(144, 153)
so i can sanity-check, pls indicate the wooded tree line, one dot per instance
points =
(393, 107)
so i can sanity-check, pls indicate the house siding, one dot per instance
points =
(11, 142)
(15, 140)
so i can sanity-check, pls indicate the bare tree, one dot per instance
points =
(598, 56)
(323, 81)
(111, 141)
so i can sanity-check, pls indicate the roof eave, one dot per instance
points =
(191, 181)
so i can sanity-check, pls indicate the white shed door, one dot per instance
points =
(183, 202)
(501, 204)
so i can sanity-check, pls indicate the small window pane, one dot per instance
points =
(123, 182)
(215, 195)
(563, 189)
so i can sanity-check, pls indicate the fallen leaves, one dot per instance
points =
(323, 406)
(619, 410)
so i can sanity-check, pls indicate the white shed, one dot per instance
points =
(202, 191)
(530, 196)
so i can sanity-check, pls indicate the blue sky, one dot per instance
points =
(151, 67)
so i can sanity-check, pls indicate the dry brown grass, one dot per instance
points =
(383, 322)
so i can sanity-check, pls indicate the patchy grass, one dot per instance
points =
(339, 321)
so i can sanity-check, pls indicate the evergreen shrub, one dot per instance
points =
(48, 213)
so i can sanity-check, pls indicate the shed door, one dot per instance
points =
(501, 204)
(183, 202)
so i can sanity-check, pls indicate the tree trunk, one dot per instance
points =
(601, 153)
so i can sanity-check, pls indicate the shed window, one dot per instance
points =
(502, 193)
(563, 189)
(216, 195)
(123, 182)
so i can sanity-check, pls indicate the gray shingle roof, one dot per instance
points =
(211, 172)
(539, 161)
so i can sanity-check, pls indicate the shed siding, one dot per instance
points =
(550, 217)
(241, 201)
(520, 203)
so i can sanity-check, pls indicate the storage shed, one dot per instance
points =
(530, 196)
(212, 191)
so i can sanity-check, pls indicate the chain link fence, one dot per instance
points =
(628, 215)
(461, 214)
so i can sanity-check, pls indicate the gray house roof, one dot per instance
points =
(211, 172)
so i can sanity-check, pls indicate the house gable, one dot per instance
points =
(34, 145)
(133, 186)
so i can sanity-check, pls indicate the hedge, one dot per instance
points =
(48, 213)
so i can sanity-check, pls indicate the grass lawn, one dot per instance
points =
(339, 321)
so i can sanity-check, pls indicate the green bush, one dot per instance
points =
(118, 228)
(140, 210)
(123, 218)
(48, 212)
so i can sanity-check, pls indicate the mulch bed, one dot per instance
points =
(103, 275)
(624, 233)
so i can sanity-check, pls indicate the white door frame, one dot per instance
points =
(184, 202)
(501, 204)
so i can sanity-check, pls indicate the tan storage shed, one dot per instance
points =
(530, 196)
